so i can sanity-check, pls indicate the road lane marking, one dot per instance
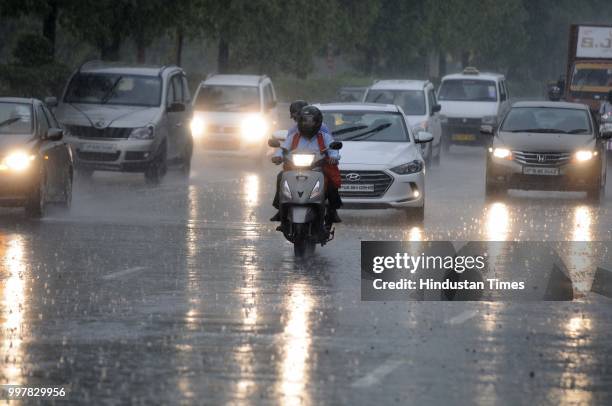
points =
(377, 374)
(119, 274)
(462, 317)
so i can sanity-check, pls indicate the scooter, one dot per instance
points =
(302, 199)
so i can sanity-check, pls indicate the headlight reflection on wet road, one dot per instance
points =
(498, 222)
(296, 343)
(13, 308)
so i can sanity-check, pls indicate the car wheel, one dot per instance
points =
(157, 168)
(186, 160)
(84, 174)
(67, 203)
(493, 190)
(415, 214)
(595, 193)
(36, 202)
(436, 158)
(446, 145)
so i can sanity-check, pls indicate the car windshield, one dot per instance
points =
(547, 120)
(15, 118)
(366, 126)
(228, 98)
(591, 75)
(130, 90)
(411, 101)
(468, 90)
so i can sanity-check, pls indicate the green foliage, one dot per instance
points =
(32, 50)
(28, 81)
(315, 89)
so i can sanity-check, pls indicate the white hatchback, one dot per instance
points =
(381, 164)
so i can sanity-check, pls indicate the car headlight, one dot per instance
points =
(407, 168)
(198, 127)
(302, 160)
(286, 190)
(490, 120)
(502, 153)
(254, 128)
(17, 161)
(142, 133)
(316, 190)
(584, 155)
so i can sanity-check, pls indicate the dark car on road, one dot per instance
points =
(35, 163)
(547, 146)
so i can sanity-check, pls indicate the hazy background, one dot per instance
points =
(308, 47)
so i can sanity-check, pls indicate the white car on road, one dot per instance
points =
(381, 163)
(469, 100)
(233, 114)
(417, 99)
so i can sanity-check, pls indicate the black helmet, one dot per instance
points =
(309, 122)
(295, 108)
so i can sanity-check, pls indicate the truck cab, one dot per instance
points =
(589, 66)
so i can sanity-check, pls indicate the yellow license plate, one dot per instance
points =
(464, 137)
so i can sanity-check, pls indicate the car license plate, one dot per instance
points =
(530, 170)
(356, 188)
(464, 137)
(108, 148)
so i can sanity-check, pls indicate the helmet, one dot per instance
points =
(295, 108)
(309, 122)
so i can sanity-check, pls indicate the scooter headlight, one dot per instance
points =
(17, 161)
(286, 190)
(302, 160)
(316, 190)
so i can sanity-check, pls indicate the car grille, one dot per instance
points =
(542, 158)
(380, 180)
(92, 132)
(99, 156)
(221, 145)
(221, 129)
(464, 122)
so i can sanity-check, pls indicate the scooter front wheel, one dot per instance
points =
(301, 244)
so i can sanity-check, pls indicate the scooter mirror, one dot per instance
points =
(273, 142)
(335, 145)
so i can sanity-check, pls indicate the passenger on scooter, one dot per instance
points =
(294, 113)
(309, 136)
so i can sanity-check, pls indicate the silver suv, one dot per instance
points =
(127, 119)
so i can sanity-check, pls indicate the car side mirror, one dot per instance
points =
(436, 108)
(54, 134)
(335, 145)
(486, 129)
(274, 143)
(423, 137)
(51, 101)
(280, 135)
(176, 107)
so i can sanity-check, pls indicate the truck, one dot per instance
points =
(588, 77)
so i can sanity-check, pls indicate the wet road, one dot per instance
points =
(185, 294)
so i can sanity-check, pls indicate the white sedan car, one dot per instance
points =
(381, 164)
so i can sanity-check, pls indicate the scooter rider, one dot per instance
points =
(309, 136)
(606, 107)
(294, 113)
